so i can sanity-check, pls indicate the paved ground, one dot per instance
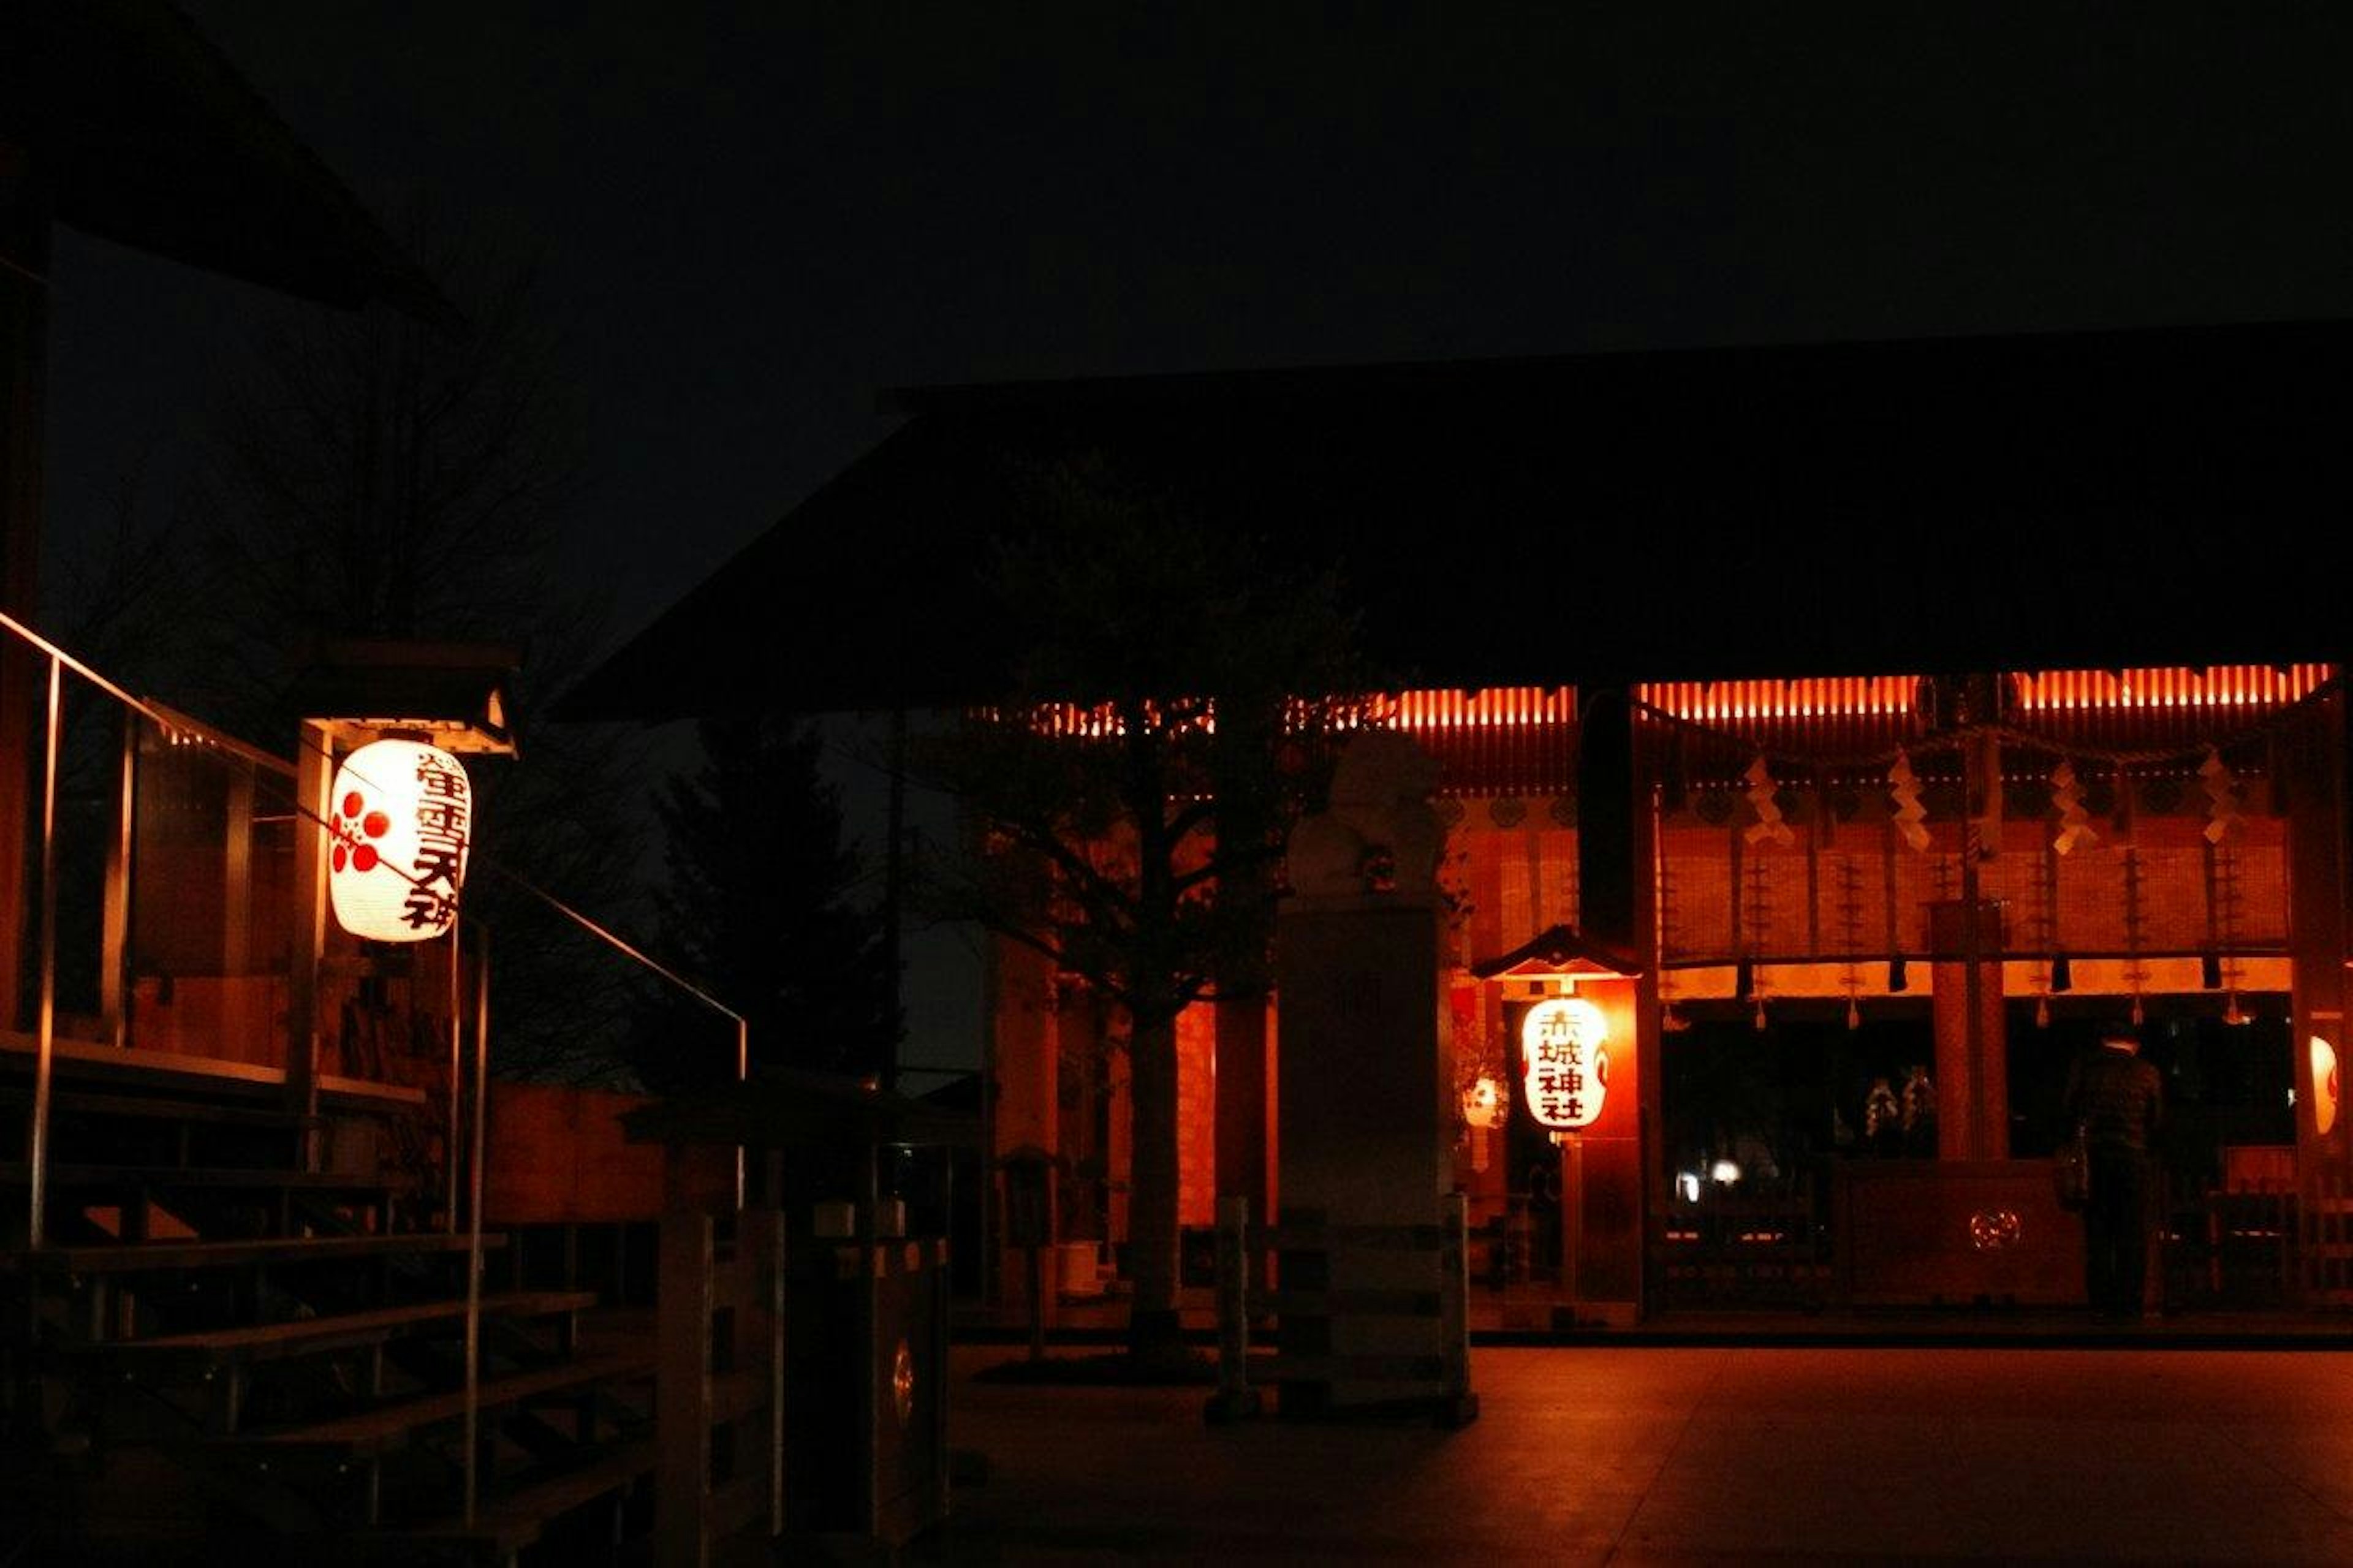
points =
(2057, 1447)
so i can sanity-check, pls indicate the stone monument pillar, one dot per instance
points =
(1363, 1084)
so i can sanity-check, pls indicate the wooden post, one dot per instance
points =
(1037, 1304)
(474, 1221)
(1459, 1405)
(682, 1390)
(1606, 824)
(1235, 1397)
(114, 960)
(749, 1293)
(871, 1266)
(236, 880)
(45, 1023)
(763, 1242)
(24, 208)
(743, 1074)
(1243, 1108)
(2317, 762)
(449, 1160)
(1966, 998)
(314, 780)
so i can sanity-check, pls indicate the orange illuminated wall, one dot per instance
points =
(1839, 892)
(2140, 709)
(1502, 739)
(1196, 1115)
(1520, 740)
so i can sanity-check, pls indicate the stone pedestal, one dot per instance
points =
(1364, 1077)
(1365, 1084)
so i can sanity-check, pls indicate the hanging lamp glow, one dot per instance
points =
(1565, 1062)
(401, 817)
(1484, 1103)
(2324, 1085)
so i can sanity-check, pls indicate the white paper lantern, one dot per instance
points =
(1483, 1103)
(2324, 1085)
(401, 818)
(1565, 1062)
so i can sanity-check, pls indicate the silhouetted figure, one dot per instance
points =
(1883, 1118)
(1919, 1114)
(2117, 1096)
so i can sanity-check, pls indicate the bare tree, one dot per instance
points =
(370, 476)
(1133, 791)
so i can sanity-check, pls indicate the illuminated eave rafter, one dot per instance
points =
(1520, 741)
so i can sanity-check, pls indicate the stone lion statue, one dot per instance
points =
(1380, 836)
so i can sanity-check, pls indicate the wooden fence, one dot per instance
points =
(1317, 1313)
(2323, 1229)
(719, 1397)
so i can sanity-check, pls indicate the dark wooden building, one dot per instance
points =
(1765, 664)
(234, 1283)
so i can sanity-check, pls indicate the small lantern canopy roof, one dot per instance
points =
(1562, 950)
(454, 694)
(780, 1107)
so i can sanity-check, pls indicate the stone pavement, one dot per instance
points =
(2132, 1448)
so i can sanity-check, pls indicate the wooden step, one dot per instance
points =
(131, 1258)
(369, 1432)
(504, 1525)
(263, 1342)
(16, 1173)
(88, 1061)
(152, 1108)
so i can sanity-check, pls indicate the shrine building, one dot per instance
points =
(1833, 736)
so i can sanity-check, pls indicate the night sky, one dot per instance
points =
(755, 217)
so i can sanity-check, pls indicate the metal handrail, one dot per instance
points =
(170, 719)
(178, 723)
(44, 1016)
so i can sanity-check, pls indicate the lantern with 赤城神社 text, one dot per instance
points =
(1565, 1062)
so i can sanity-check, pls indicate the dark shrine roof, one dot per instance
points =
(149, 138)
(2173, 495)
(782, 1108)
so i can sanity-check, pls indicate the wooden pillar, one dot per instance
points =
(2315, 765)
(1024, 1041)
(1607, 864)
(1248, 737)
(720, 1343)
(313, 778)
(1972, 1069)
(1650, 1049)
(682, 1391)
(114, 943)
(1242, 1102)
(24, 208)
(1618, 1175)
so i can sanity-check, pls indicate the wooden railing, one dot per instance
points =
(2320, 1220)
(719, 1389)
(1315, 1308)
(1736, 1248)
